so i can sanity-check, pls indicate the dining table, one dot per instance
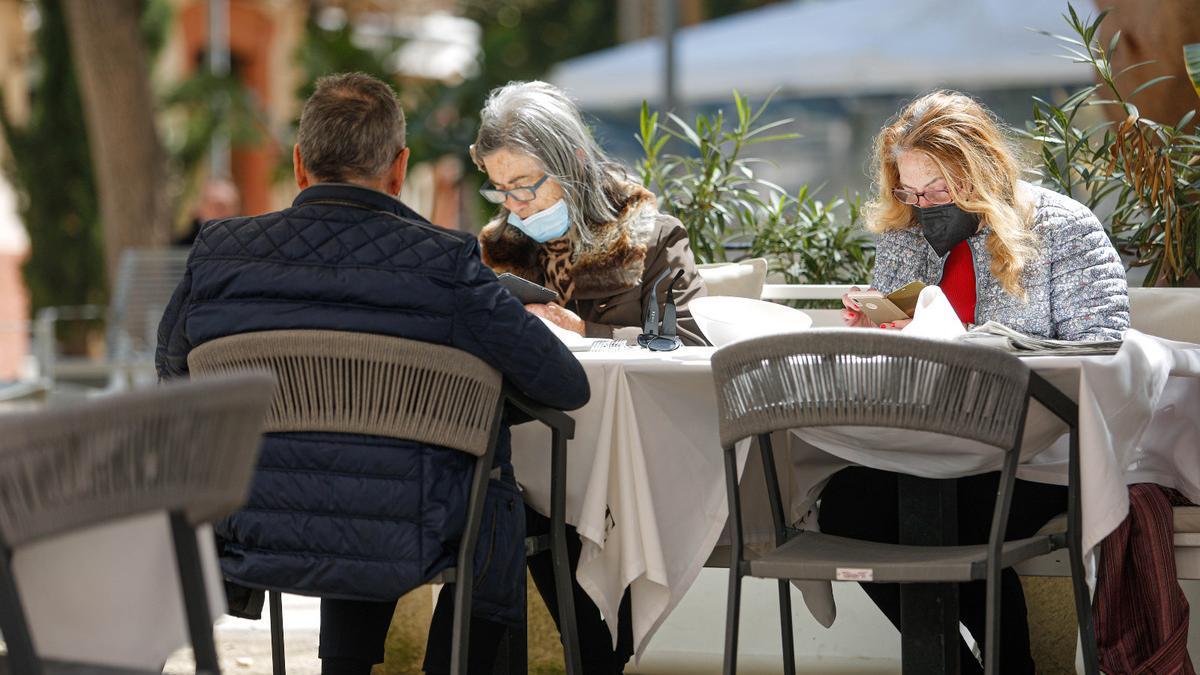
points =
(645, 472)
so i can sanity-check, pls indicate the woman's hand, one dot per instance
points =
(896, 325)
(852, 314)
(558, 315)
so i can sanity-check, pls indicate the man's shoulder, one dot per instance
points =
(332, 234)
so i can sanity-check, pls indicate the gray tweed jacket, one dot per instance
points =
(1076, 289)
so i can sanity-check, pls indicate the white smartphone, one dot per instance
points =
(877, 308)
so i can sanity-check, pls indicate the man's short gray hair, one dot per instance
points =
(352, 128)
(537, 119)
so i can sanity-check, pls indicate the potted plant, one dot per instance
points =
(1143, 174)
(727, 209)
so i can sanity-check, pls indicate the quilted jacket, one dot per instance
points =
(351, 516)
(1076, 290)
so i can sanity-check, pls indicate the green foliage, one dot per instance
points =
(522, 38)
(1143, 173)
(51, 170)
(809, 241)
(718, 8)
(1191, 61)
(714, 191)
(239, 118)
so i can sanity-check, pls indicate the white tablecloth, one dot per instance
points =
(646, 491)
(645, 485)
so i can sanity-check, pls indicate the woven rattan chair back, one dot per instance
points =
(361, 383)
(868, 378)
(186, 447)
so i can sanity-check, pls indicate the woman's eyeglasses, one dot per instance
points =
(668, 339)
(935, 197)
(524, 193)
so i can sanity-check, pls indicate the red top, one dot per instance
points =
(958, 282)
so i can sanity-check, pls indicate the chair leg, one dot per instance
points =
(732, 616)
(195, 595)
(991, 649)
(785, 627)
(22, 657)
(464, 575)
(1083, 605)
(568, 628)
(733, 608)
(1083, 598)
(278, 663)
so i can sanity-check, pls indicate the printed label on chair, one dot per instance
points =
(855, 574)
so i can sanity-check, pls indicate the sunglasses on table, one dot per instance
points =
(665, 339)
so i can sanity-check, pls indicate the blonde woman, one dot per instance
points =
(951, 210)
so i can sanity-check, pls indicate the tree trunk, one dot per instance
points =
(1153, 30)
(129, 161)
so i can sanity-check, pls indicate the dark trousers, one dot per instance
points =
(595, 641)
(861, 503)
(353, 633)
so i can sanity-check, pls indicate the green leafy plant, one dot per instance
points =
(1144, 174)
(1191, 61)
(713, 190)
(808, 241)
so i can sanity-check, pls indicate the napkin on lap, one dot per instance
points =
(934, 317)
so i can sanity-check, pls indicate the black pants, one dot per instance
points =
(353, 633)
(861, 503)
(595, 641)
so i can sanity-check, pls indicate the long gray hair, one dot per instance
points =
(537, 119)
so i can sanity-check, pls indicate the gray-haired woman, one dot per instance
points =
(572, 220)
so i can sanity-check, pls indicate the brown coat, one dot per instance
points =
(611, 276)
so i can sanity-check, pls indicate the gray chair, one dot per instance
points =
(875, 379)
(144, 282)
(188, 449)
(360, 383)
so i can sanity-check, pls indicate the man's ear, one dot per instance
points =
(397, 172)
(302, 179)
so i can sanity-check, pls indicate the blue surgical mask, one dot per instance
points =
(547, 224)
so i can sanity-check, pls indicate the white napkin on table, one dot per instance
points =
(569, 337)
(934, 317)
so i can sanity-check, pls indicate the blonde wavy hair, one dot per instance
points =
(980, 164)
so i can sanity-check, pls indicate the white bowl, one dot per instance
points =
(725, 319)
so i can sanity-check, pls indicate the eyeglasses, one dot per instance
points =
(524, 193)
(937, 197)
(668, 339)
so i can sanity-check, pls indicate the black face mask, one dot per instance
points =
(946, 226)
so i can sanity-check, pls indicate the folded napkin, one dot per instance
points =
(568, 337)
(934, 317)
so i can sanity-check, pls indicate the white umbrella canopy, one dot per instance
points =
(838, 48)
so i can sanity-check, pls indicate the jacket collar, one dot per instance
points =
(356, 195)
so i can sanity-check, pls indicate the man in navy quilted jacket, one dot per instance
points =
(361, 520)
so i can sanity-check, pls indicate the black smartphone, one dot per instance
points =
(526, 291)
